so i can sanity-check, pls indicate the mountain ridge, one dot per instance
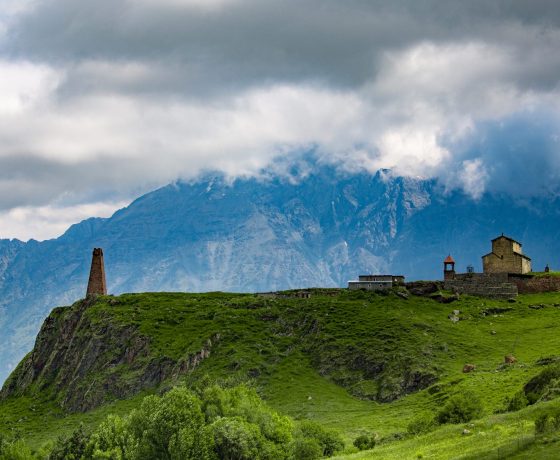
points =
(267, 234)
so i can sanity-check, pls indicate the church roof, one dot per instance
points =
(515, 252)
(449, 260)
(507, 238)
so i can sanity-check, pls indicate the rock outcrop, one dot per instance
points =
(88, 360)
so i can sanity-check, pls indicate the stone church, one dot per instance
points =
(506, 257)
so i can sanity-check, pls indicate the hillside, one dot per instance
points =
(354, 361)
(257, 235)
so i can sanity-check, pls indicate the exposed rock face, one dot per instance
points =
(83, 360)
(423, 288)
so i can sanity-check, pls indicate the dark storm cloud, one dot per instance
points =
(31, 180)
(160, 89)
(250, 42)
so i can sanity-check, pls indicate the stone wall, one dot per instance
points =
(532, 285)
(492, 285)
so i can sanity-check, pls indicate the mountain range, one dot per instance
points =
(320, 229)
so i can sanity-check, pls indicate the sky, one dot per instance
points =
(101, 101)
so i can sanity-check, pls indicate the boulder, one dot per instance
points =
(453, 318)
(468, 368)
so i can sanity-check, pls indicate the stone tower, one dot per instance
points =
(97, 284)
(449, 268)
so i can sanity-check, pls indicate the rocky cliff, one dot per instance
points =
(107, 348)
(85, 358)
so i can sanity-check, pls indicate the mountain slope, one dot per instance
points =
(261, 235)
(357, 362)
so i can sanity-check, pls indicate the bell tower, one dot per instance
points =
(97, 285)
(449, 268)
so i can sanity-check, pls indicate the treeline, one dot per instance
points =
(210, 424)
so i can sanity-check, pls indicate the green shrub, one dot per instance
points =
(329, 440)
(307, 449)
(237, 439)
(73, 448)
(157, 424)
(542, 424)
(460, 408)
(544, 385)
(421, 424)
(365, 442)
(517, 402)
(14, 449)
(546, 423)
(217, 423)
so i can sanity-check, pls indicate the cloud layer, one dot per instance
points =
(102, 100)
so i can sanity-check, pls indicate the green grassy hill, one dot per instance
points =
(358, 362)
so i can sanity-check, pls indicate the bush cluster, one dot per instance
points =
(461, 408)
(217, 424)
(365, 442)
(517, 402)
(13, 449)
(421, 424)
(547, 423)
(543, 386)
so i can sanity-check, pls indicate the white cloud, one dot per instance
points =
(45, 222)
(473, 177)
(25, 86)
(118, 102)
(396, 121)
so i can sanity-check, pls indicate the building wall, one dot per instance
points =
(505, 258)
(516, 247)
(370, 285)
(526, 266)
(383, 278)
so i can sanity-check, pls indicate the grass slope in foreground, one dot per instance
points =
(358, 362)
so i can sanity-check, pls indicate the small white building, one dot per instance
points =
(376, 282)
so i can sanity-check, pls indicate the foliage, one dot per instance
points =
(517, 402)
(365, 442)
(72, 448)
(14, 449)
(216, 423)
(112, 439)
(308, 356)
(307, 449)
(546, 423)
(421, 424)
(329, 440)
(544, 386)
(541, 424)
(461, 408)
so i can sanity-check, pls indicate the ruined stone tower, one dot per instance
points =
(97, 284)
